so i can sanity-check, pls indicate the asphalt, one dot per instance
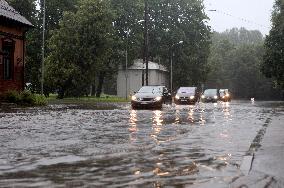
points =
(265, 167)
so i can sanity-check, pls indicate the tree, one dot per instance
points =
(273, 64)
(128, 27)
(81, 48)
(235, 63)
(26, 8)
(172, 21)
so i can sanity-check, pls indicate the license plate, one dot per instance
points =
(144, 103)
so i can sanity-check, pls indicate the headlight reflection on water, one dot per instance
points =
(157, 124)
(226, 110)
(133, 118)
(177, 119)
(133, 125)
(202, 120)
(190, 114)
(158, 118)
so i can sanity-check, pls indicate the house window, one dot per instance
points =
(8, 54)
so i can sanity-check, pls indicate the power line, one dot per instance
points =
(239, 18)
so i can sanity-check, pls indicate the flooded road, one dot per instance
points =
(178, 146)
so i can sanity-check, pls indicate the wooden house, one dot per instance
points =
(13, 28)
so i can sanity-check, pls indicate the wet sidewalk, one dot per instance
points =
(267, 168)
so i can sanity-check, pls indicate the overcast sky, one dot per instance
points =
(251, 14)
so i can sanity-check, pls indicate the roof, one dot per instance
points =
(138, 65)
(9, 12)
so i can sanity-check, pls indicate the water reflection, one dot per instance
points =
(157, 124)
(118, 150)
(133, 119)
(157, 120)
(133, 125)
(202, 120)
(177, 116)
(190, 114)
(226, 110)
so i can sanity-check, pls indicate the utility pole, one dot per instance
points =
(126, 65)
(172, 55)
(43, 46)
(146, 43)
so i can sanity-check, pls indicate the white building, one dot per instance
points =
(157, 75)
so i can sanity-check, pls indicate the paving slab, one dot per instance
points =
(267, 168)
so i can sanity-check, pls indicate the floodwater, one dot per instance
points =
(178, 146)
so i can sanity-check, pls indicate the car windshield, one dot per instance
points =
(150, 89)
(222, 92)
(210, 92)
(186, 90)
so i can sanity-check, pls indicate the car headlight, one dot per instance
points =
(191, 97)
(158, 98)
(223, 97)
(227, 95)
(215, 97)
(133, 98)
(202, 96)
(177, 97)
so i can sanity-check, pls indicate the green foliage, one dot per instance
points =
(54, 13)
(12, 96)
(26, 8)
(180, 20)
(273, 65)
(240, 36)
(25, 98)
(40, 100)
(128, 26)
(80, 48)
(235, 64)
(87, 39)
(87, 100)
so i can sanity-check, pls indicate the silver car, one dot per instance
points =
(150, 97)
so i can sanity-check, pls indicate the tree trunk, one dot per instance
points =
(100, 84)
(60, 93)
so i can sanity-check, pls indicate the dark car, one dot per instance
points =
(210, 95)
(150, 97)
(224, 95)
(186, 95)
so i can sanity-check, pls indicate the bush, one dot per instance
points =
(12, 96)
(28, 98)
(40, 100)
(25, 98)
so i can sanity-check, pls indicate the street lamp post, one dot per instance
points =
(146, 43)
(172, 53)
(43, 46)
(126, 65)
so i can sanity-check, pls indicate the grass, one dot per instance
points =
(85, 100)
